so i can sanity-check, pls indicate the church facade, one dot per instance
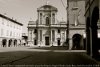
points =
(47, 30)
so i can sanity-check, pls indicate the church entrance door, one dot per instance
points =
(58, 42)
(46, 40)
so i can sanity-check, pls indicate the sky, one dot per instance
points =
(25, 10)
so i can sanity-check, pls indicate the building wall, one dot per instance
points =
(76, 12)
(9, 30)
(72, 32)
(76, 16)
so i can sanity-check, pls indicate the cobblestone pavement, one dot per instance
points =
(27, 56)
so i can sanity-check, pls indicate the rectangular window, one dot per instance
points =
(10, 24)
(2, 32)
(53, 18)
(14, 25)
(40, 35)
(14, 34)
(40, 18)
(2, 21)
(35, 30)
(11, 33)
(7, 33)
(53, 35)
(58, 30)
(7, 23)
(47, 21)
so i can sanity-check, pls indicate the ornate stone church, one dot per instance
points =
(47, 30)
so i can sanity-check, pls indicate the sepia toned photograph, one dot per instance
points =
(49, 33)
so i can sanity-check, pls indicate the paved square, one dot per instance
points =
(34, 56)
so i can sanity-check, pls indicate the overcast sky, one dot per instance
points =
(23, 10)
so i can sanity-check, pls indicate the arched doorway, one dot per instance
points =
(94, 36)
(77, 42)
(4, 41)
(10, 42)
(15, 42)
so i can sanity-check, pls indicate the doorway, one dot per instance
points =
(77, 42)
(4, 41)
(46, 40)
(35, 42)
(58, 42)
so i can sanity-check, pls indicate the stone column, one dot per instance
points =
(70, 40)
(51, 19)
(51, 38)
(28, 35)
(12, 43)
(0, 42)
(7, 43)
(38, 38)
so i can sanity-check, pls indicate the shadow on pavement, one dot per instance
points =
(47, 58)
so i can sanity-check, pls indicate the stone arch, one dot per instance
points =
(19, 42)
(95, 17)
(94, 27)
(77, 41)
(4, 42)
(15, 42)
(9, 42)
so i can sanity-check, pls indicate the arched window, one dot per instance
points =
(53, 18)
(40, 18)
(47, 20)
